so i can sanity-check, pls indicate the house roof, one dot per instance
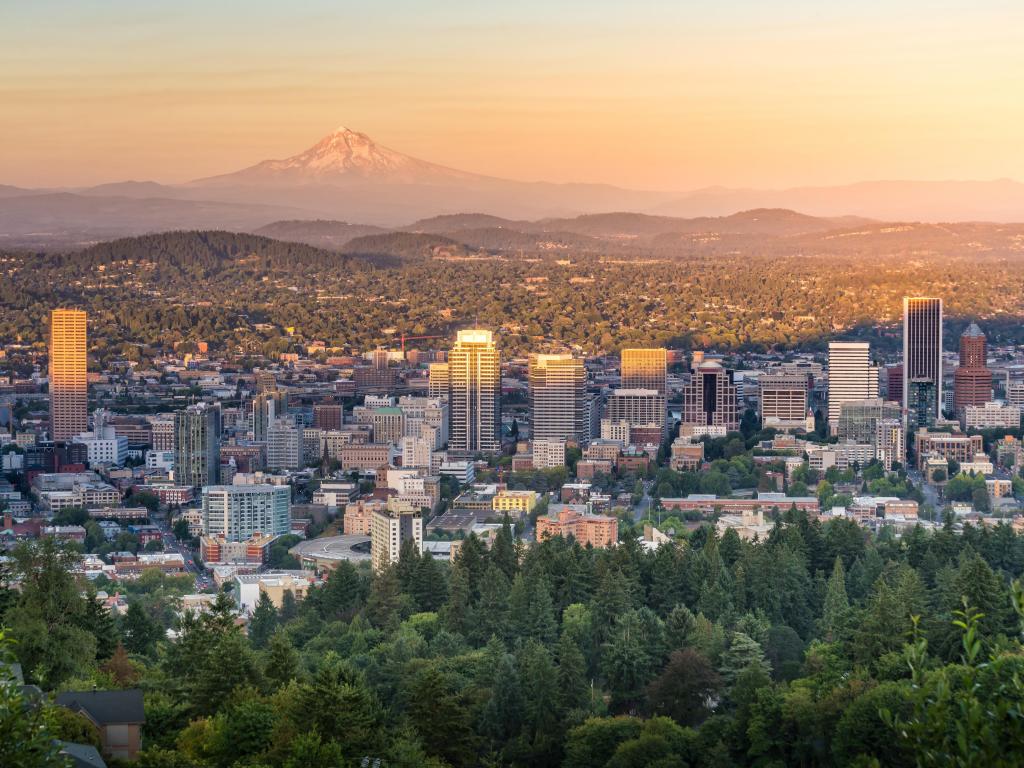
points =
(81, 755)
(106, 707)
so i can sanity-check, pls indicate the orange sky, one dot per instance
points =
(741, 94)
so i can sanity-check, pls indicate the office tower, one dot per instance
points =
(474, 372)
(265, 381)
(328, 416)
(783, 400)
(644, 369)
(238, 512)
(437, 380)
(894, 381)
(972, 380)
(197, 445)
(269, 404)
(426, 417)
(69, 385)
(639, 408)
(858, 419)
(284, 444)
(890, 442)
(709, 400)
(922, 348)
(388, 425)
(558, 398)
(850, 376)
(921, 405)
(389, 530)
(162, 426)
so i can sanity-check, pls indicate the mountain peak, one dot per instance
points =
(344, 155)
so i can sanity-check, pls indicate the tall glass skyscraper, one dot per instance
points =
(558, 398)
(922, 346)
(69, 385)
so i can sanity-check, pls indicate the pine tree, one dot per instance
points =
(573, 686)
(531, 614)
(836, 612)
(263, 621)
(385, 601)
(281, 660)
(503, 552)
(743, 654)
(429, 590)
(341, 596)
(455, 612)
(491, 613)
(140, 631)
(100, 624)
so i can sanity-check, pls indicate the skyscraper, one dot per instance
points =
(972, 380)
(558, 398)
(645, 369)
(197, 445)
(709, 400)
(237, 512)
(69, 386)
(437, 381)
(474, 374)
(922, 347)
(850, 376)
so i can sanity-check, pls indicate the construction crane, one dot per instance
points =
(411, 338)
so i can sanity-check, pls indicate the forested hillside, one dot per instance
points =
(820, 646)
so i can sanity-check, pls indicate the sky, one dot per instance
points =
(650, 95)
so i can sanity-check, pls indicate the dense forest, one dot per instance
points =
(240, 292)
(819, 646)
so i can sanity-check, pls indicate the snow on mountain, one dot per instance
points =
(343, 156)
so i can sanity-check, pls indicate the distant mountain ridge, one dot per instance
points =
(347, 176)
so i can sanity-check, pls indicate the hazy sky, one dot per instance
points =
(667, 95)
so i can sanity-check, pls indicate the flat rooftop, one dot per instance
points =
(334, 548)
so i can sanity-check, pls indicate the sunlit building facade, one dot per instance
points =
(69, 385)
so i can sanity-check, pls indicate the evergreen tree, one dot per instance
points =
(573, 684)
(837, 606)
(490, 616)
(455, 612)
(503, 551)
(140, 631)
(531, 614)
(263, 621)
(429, 589)
(281, 661)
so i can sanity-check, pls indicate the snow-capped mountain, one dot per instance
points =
(344, 156)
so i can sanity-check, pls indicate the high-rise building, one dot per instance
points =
(645, 369)
(558, 398)
(69, 384)
(269, 404)
(850, 376)
(238, 512)
(922, 349)
(437, 380)
(858, 419)
(709, 400)
(328, 416)
(638, 408)
(284, 444)
(972, 380)
(921, 406)
(783, 400)
(890, 442)
(390, 528)
(894, 381)
(197, 445)
(474, 372)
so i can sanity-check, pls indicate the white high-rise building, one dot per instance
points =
(850, 376)
(236, 512)
(474, 372)
(284, 445)
(389, 529)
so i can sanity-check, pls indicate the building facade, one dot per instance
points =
(197, 445)
(69, 385)
(645, 369)
(558, 398)
(850, 377)
(239, 512)
(474, 371)
(922, 345)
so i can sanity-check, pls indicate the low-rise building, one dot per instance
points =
(598, 531)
